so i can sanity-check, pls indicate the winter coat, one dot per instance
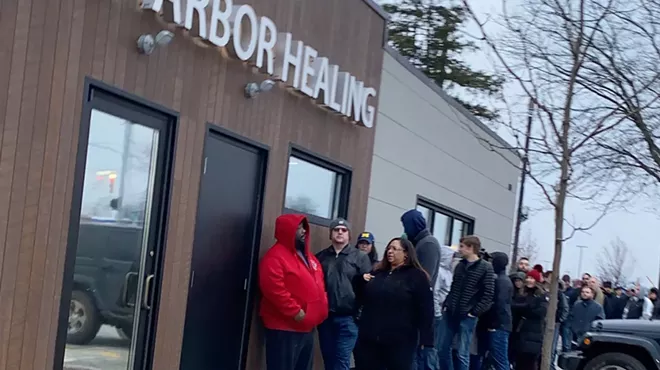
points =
(472, 289)
(397, 307)
(563, 310)
(583, 314)
(426, 245)
(529, 310)
(340, 270)
(444, 279)
(499, 315)
(290, 284)
(614, 306)
(638, 308)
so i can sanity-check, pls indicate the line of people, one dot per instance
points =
(424, 306)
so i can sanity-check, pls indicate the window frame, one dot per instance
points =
(346, 173)
(447, 211)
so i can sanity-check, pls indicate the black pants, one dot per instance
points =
(527, 361)
(287, 350)
(370, 355)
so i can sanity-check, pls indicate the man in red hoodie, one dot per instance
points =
(294, 300)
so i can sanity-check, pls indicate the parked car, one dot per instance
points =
(616, 344)
(104, 280)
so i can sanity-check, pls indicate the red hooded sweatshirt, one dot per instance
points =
(288, 284)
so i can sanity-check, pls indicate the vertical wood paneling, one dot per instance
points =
(47, 51)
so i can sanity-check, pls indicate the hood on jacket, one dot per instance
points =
(499, 261)
(446, 257)
(413, 223)
(286, 227)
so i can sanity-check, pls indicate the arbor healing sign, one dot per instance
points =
(254, 39)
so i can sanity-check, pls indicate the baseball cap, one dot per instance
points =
(366, 237)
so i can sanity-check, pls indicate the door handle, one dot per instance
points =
(146, 296)
(125, 292)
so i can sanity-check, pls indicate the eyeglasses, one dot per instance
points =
(340, 229)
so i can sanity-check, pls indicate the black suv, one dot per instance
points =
(616, 344)
(104, 280)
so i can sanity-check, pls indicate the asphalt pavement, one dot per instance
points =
(108, 351)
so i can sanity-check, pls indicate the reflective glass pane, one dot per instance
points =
(117, 192)
(426, 213)
(459, 230)
(441, 228)
(312, 189)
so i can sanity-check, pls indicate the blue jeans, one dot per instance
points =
(566, 337)
(498, 350)
(337, 337)
(463, 327)
(424, 358)
(555, 342)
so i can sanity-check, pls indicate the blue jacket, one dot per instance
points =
(583, 314)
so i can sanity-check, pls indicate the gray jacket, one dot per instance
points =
(427, 248)
(443, 280)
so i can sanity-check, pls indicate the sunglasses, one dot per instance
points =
(340, 229)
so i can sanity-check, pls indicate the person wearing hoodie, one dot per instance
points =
(498, 319)
(294, 301)
(637, 307)
(426, 245)
(341, 264)
(584, 312)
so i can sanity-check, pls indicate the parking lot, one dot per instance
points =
(108, 351)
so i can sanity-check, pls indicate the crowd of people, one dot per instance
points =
(424, 306)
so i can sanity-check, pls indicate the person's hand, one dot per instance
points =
(367, 277)
(300, 316)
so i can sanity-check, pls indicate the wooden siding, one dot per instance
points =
(46, 50)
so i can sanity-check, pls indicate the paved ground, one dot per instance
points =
(108, 351)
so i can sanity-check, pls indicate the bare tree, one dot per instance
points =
(547, 50)
(615, 262)
(528, 247)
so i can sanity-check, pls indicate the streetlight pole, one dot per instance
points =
(523, 177)
(580, 258)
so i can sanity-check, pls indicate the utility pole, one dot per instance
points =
(580, 259)
(521, 194)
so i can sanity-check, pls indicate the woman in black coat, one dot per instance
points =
(529, 310)
(397, 310)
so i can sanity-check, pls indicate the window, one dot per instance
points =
(316, 187)
(446, 225)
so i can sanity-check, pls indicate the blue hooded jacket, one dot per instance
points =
(426, 245)
(413, 223)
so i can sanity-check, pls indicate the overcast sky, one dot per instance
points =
(638, 227)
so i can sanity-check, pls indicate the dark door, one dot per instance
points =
(226, 238)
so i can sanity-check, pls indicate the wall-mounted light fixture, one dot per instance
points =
(253, 89)
(147, 43)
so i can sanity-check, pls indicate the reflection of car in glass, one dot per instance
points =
(104, 280)
(616, 344)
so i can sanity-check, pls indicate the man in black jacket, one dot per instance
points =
(341, 264)
(471, 295)
(498, 319)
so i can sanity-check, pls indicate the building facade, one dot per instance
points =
(432, 154)
(146, 148)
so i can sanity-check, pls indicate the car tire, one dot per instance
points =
(84, 319)
(619, 359)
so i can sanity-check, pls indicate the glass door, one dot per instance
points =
(119, 239)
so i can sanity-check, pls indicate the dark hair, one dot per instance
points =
(586, 273)
(566, 278)
(373, 253)
(473, 242)
(654, 290)
(523, 258)
(412, 260)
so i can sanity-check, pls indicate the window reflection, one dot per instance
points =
(312, 189)
(441, 228)
(117, 188)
